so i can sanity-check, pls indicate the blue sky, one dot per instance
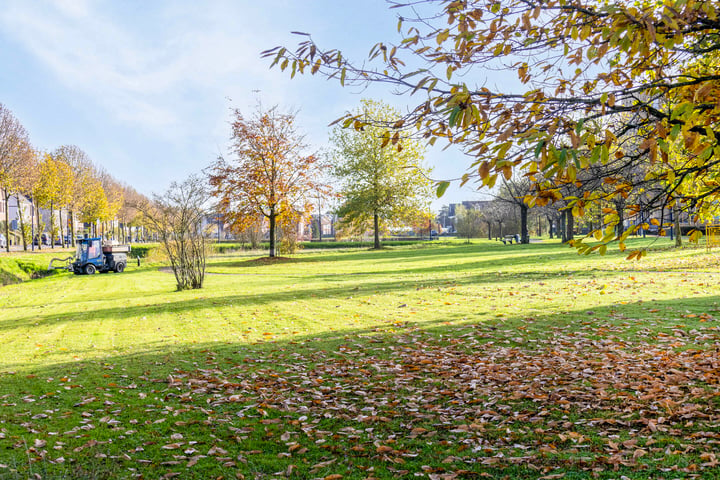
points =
(146, 87)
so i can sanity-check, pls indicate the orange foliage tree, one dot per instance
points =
(269, 174)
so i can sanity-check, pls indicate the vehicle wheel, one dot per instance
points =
(120, 267)
(90, 269)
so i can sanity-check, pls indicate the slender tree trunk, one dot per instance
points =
(676, 226)
(489, 225)
(22, 223)
(569, 235)
(539, 226)
(72, 227)
(621, 218)
(642, 220)
(52, 225)
(550, 226)
(39, 232)
(319, 222)
(32, 223)
(376, 221)
(524, 234)
(7, 220)
(272, 231)
(62, 236)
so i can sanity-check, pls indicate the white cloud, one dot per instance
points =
(151, 79)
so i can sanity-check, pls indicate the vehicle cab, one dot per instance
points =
(89, 256)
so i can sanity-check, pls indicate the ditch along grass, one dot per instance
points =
(437, 361)
(18, 267)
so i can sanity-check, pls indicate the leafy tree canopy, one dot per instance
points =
(468, 222)
(598, 82)
(270, 174)
(378, 184)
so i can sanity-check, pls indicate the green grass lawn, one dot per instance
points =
(437, 360)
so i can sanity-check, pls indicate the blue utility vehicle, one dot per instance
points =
(92, 256)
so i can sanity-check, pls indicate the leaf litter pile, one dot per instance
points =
(412, 405)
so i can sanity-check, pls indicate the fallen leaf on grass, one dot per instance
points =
(215, 450)
(315, 468)
(172, 446)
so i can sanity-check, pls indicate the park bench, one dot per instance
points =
(510, 239)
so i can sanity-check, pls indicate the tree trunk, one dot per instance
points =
(550, 226)
(22, 223)
(39, 232)
(524, 234)
(676, 226)
(569, 234)
(7, 220)
(642, 220)
(539, 226)
(62, 237)
(72, 227)
(376, 221)
(319, 223)
(32, 223)
(52, 226)
(621, 219)
(489, 225)
(272, 231)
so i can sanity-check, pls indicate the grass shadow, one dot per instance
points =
(365, 388)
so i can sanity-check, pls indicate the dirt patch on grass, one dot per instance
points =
(265, 261)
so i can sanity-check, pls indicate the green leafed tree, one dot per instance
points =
(468, 222)
(381, 175)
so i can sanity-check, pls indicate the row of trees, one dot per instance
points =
(62, 180)
(508, 212)
(615, 103)
(67, 180)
